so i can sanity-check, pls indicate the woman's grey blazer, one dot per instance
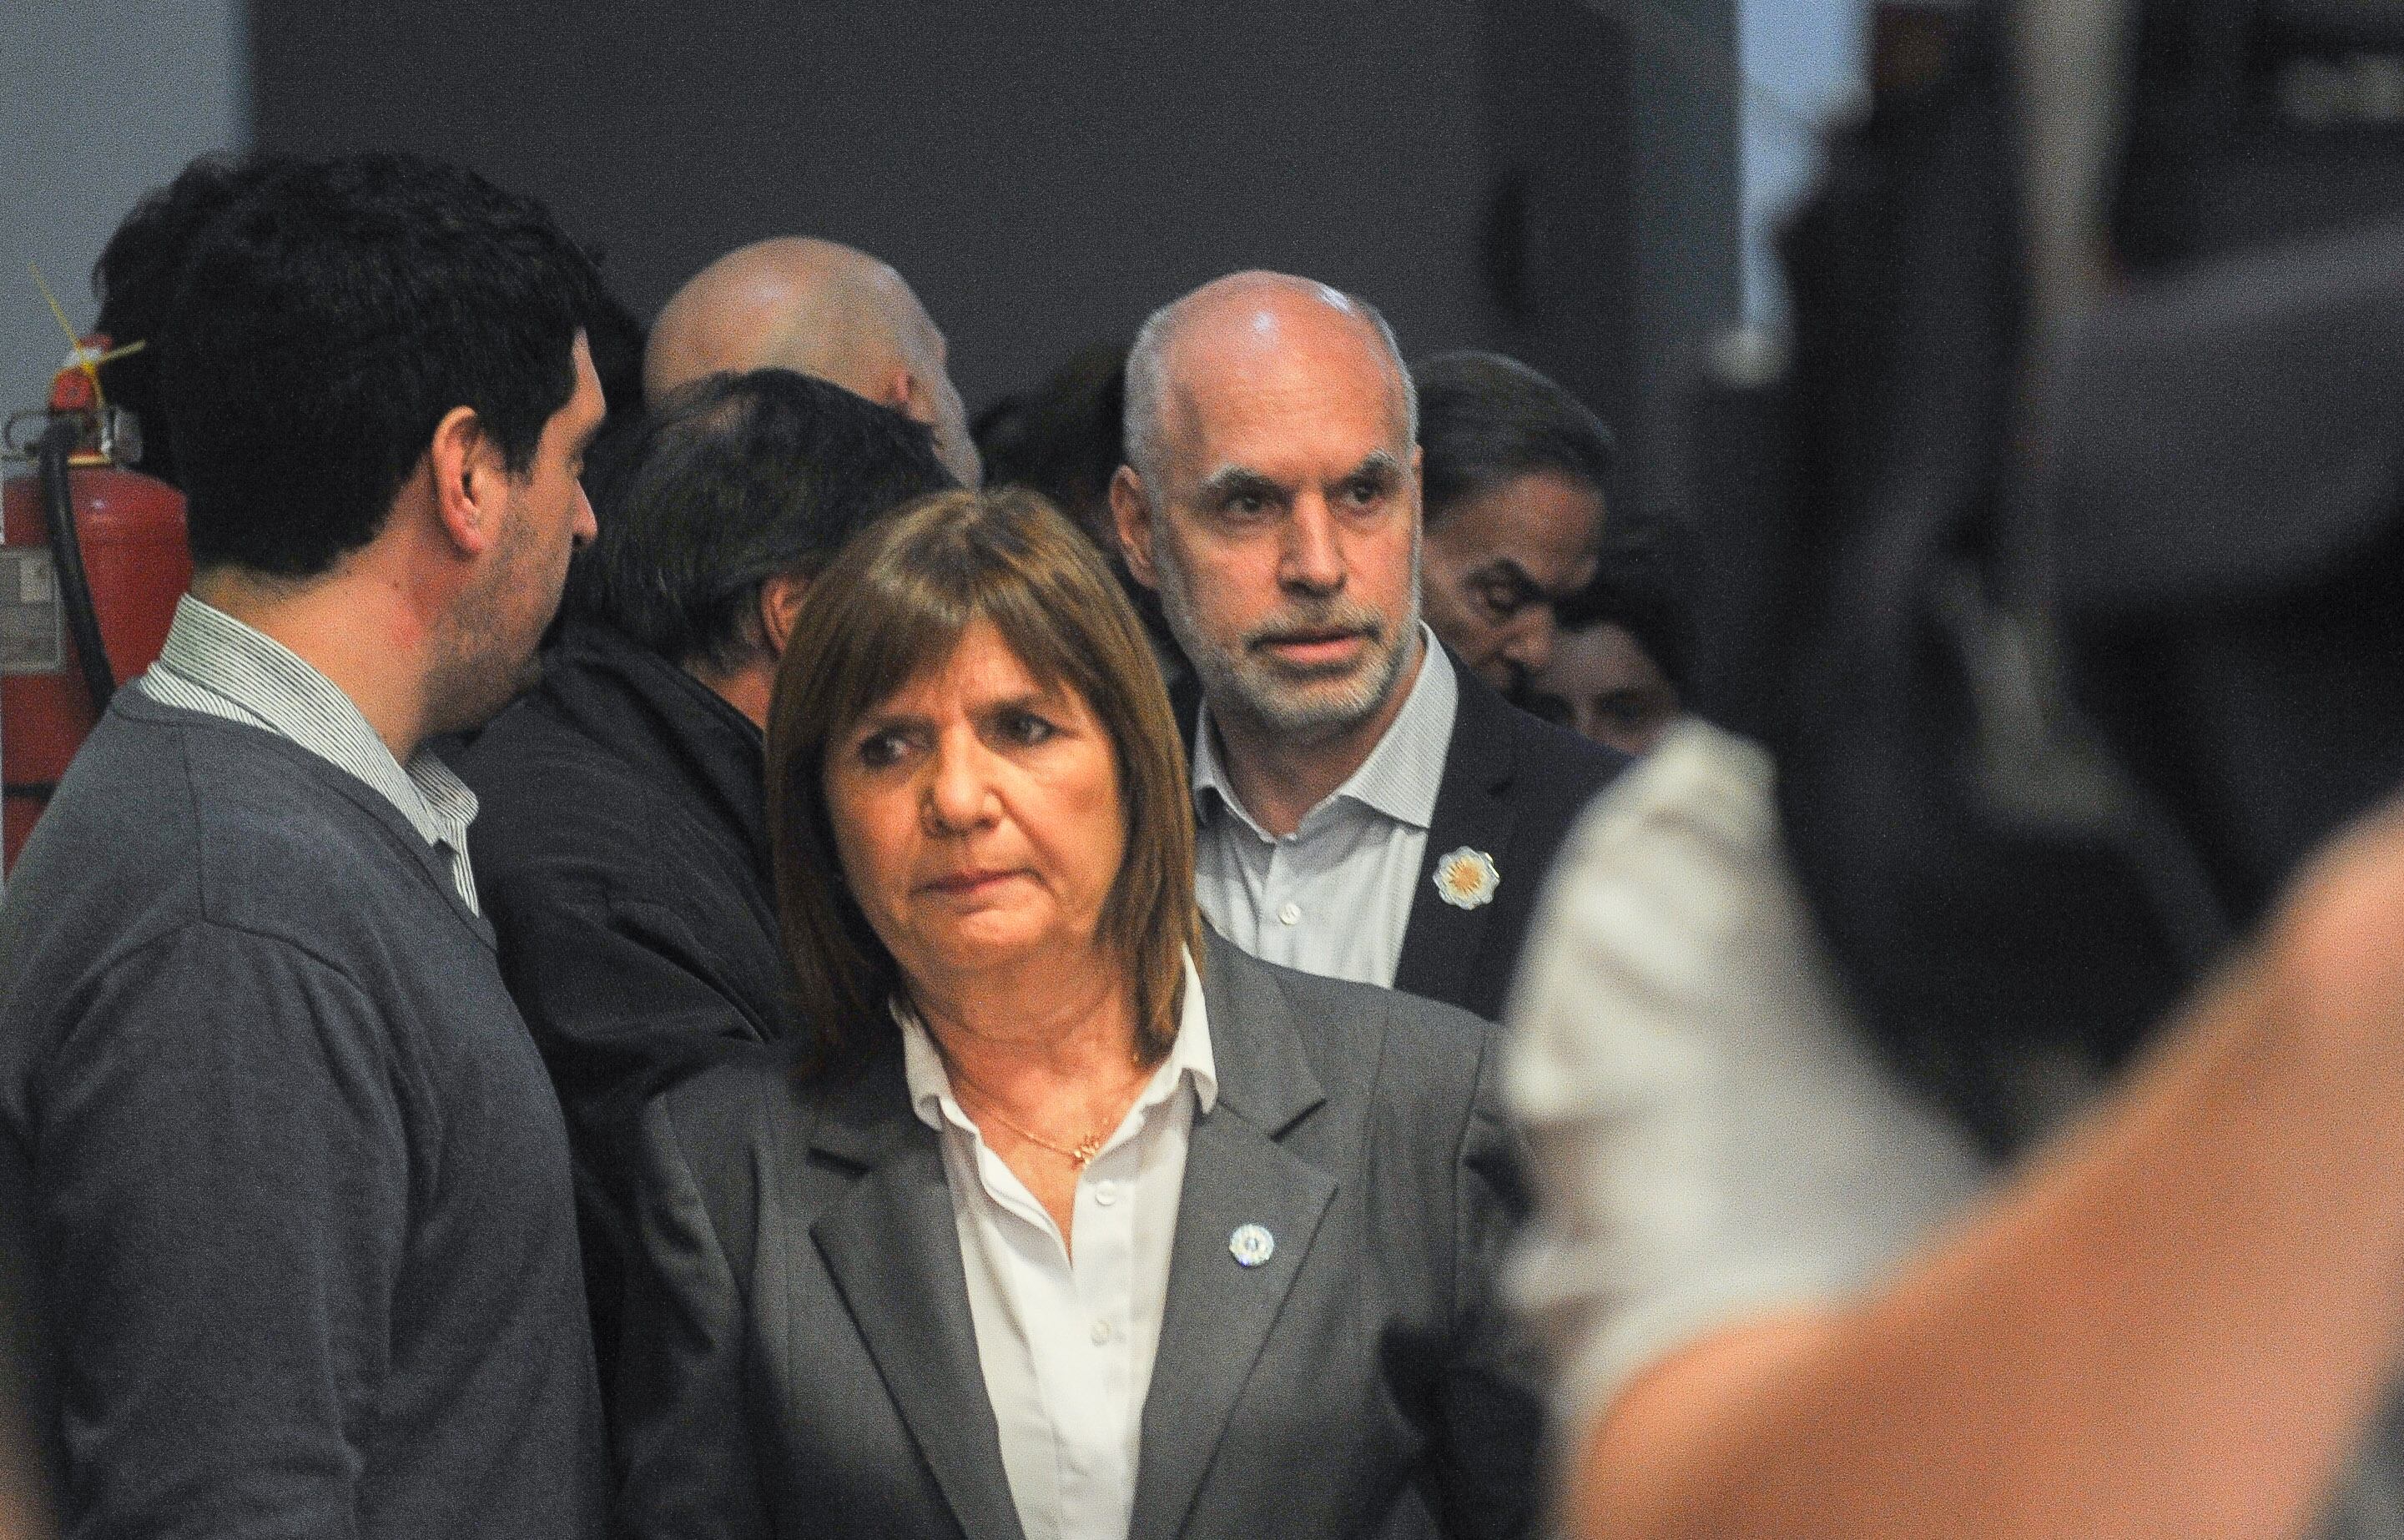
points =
(800, 1359)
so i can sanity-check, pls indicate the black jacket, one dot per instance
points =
(621, 852)
(1512, 788)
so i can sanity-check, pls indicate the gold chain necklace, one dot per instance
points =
(1079, 1155)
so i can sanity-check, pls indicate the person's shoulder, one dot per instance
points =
(736, 1101)
(1565, 755)
(1547, 775)
(163, 801)
(554, 806)
(1545, 754)
(559, 797)
(531, 755)
(1363, 1039)
(143, 993)
(126, 807)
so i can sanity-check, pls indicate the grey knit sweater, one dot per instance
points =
(281, 1162)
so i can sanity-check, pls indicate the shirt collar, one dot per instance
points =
(1189, 1057)
(1402, 774)
(281, 691)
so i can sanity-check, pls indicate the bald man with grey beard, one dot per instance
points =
(1368, 809)
(823, 310)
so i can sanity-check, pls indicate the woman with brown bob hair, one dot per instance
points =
(912, 592)
(1073, 1221)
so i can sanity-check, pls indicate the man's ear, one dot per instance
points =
(1131, 510)
(780, 601)
(906, 394)
(471, 480)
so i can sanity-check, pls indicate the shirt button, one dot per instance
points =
(1101, 1332)
(1106, 1193)
(1291, 913)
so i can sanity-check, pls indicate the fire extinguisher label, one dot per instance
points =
(33, 630)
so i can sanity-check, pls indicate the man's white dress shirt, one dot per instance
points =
(1334, 896)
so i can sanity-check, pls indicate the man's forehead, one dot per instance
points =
(1251, 330)
(1227, 398)
(1303, 435)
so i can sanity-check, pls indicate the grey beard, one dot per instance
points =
(1237, 685)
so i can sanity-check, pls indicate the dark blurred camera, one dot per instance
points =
(2067, 660)
(2267, 120)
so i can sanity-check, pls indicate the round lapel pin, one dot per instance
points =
(1251, 1245)
(1466, 879)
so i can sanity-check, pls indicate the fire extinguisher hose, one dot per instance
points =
(66, 557)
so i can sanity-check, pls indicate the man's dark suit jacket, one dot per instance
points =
(621, 850)
(1513, 787)
(801, 1358)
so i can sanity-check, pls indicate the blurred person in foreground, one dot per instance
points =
(1969, 1233)
(621, 846)
(1368, 808)
(1514, 473)
(1618, 668)
(818, 309)
(295, 1183)
(1073, 1221)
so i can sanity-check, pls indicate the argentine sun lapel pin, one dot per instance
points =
(1467, 878)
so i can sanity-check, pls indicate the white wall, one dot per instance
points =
(100, 102)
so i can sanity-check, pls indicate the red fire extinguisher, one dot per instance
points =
(92, 559)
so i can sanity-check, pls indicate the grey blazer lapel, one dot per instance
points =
(892, 1249)
(1219, 1313)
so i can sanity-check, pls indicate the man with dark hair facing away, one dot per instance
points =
(1514, 473)
(135, 280)
(295, 1184)
(624, 846)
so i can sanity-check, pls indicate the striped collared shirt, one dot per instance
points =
(1333, 898)
(213, 663)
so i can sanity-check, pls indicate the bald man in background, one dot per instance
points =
(818, 309)
(1367, 808)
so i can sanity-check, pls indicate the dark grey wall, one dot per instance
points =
(1046, 172)
(1684, 108)
(1043, 172)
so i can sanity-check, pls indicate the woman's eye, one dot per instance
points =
(1025, 729)
(880, 749)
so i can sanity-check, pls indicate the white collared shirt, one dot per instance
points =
(1067, 1343)
(1334, 896)
(215, 664)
